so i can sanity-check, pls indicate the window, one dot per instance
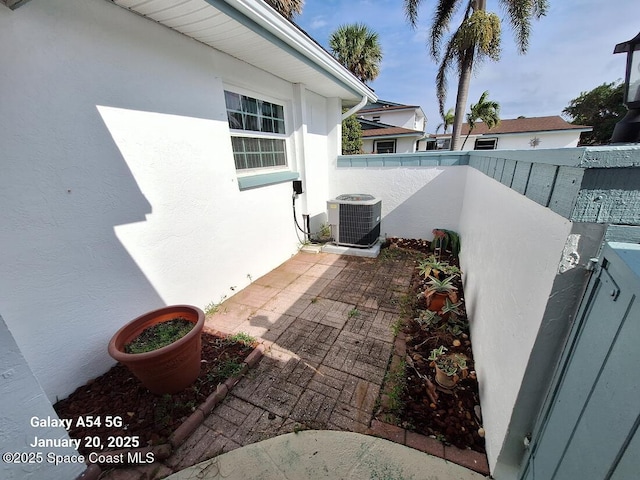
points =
(486, 143)
(385, 146)
(443, 144)
(376, 118)
(258, 132)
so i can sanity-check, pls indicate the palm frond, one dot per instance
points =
(411, 11)
(520, 13)
(441, 20)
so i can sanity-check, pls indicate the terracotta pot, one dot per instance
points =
(437, 301)
(445, 380)
(168, 369)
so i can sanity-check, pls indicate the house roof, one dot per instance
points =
(256, 33)
(391, 132)
(371, 129)
(525, 125)
(385, 106)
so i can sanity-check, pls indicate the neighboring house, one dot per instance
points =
(391, 127)
(146, 162)
(515, 134)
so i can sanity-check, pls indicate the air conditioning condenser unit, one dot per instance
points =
(355, 219)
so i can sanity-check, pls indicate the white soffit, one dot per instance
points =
(254, 33)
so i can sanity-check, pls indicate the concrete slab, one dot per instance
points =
(372, 252)
(313, 454)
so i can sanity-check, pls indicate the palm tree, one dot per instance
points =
(477, 38)
(486, 110)
(287, 8)
(447, 121)
(358, 49)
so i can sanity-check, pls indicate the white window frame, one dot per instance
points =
(393, 141)
(252, 134)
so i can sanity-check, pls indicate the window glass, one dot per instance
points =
(386, 146)
(248, 114)
(486, 143)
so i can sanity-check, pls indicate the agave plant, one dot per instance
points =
(449, 363)
(432, 266)
(435, 285)
(427, 318)
(451, 308)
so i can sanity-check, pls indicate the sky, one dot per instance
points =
(570, 52)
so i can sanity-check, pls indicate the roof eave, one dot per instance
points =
(265, 16)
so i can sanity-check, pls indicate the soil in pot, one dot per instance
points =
(159, 335)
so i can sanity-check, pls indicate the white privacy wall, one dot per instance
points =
(511, 248)
(414, 200)
(118, 188)
(522, 141)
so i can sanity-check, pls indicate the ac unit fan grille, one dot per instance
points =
(356, 222)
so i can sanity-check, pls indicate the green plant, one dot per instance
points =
(241, 337)
(325, 231)
(427, 318)
(395, 385)
(159, 335)
(227, 368)
(396, 327)
(213, 307)
(431, 265)
(449, 363)
(451, 270)
(451, 308)
(446, 240)
(435, 285)
(354, 312)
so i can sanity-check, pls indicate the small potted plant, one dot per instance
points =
(449, 366)
(438, 291)
(445, 241)
(163, 369)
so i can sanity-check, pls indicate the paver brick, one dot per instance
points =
(313, 408)
(189, 452)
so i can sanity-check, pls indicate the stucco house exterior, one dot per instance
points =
(389, 127)
(515, 134)
(148, 154)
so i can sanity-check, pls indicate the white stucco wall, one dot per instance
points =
(23, 402)
(119, 192)
(522, 141)
(399, 118)
(511, 248)
(414, 200)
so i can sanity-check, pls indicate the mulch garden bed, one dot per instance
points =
(411, 397)
(150, 417)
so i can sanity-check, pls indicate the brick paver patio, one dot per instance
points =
(327, 323)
